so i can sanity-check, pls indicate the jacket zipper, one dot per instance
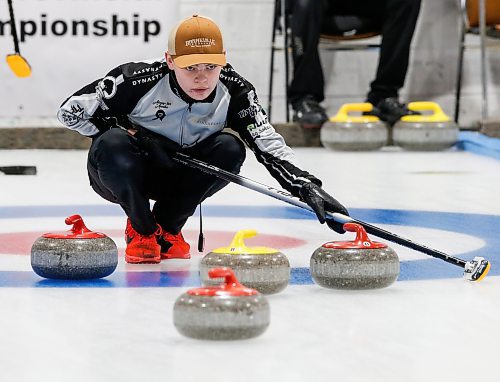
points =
(183, 120)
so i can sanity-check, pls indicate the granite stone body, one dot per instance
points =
(354, 136)
(354, 268)
(74, 258)
(425, 136)
(228, 311)
(266, 273)
(75, 254)
(221, 317)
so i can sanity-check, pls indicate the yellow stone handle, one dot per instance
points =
(343, 113)
(240, 236)
(238, 245)
(437, 114)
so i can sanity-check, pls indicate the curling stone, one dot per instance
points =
(229, 311)
(347, 132)
(261, 268)
(75, 254)
(358, 264)
(431, 131)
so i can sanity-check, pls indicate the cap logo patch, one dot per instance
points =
(200, 42)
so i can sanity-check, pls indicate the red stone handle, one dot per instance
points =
(78, 224)
(361, 235)
(230, 279)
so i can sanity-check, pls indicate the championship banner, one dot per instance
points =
(70, 43)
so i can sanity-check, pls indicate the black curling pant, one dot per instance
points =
(398, 20)
(123, 174)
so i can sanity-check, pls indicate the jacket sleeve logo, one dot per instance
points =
(71, 118)
(258, 118)
(106, 88)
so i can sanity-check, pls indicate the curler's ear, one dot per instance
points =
(170, 61)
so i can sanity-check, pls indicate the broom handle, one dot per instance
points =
(13, 27)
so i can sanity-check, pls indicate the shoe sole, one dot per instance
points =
(128, 261)
(167, 256)
(144, 259)
(137, 261)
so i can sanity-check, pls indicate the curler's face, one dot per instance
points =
(197, 81)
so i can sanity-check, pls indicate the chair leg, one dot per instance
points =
(271, 70)
(287, 58)
(458, 90)
(482, 27)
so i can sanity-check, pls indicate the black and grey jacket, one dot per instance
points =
(148, 94)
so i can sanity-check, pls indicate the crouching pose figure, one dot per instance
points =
(142, 112)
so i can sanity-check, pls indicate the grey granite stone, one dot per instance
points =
(354, 268)
(425, 136)
(71, 259)
(267, 273)
(354, 136)
(221, 317)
